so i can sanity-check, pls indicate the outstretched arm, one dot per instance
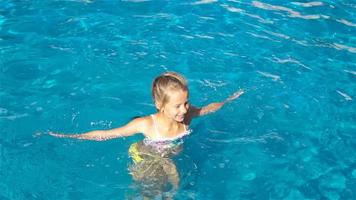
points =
(213, 107)
(133, 127)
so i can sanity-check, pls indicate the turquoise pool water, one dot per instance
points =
(74, 66)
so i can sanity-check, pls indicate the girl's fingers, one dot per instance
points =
(56, 134)
(235, 95)
(53, 134)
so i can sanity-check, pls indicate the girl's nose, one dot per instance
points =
(184, 109)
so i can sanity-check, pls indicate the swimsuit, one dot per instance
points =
(165, 143)
(157, 147)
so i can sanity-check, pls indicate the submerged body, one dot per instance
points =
(153, 168)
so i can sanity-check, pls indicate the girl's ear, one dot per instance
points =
(158, 105)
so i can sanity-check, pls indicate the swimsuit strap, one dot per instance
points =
(154, 124)
(156, 128)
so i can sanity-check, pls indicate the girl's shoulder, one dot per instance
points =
(143, 120)
(145, 124)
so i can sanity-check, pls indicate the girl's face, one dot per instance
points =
(177, 105)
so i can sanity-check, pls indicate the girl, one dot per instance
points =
(152, 166)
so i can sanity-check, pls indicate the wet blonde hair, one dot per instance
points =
(169, 81)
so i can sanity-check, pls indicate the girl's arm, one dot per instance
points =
(213, 107)
(131, 128)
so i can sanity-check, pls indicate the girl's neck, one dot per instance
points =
(166, 123)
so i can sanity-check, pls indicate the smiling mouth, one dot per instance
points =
(181, 116)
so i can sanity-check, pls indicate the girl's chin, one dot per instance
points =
(180, 119)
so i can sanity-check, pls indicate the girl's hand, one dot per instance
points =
(234, 96)
(215, 106)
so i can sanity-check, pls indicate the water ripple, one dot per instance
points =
(204, 36)
(343, 47)
(269, 75)
(261, 36)
(135, 1)
(346, 96)
(82, 1)
(280, 35)
(345, 22)
(292, 13)
(350, 72)
(212, 84)
(312, 43)
(204, 2)
(290, 60)
(260, 139)
(309, 4)
(296, 14)
(14, 116)
(241, 11)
